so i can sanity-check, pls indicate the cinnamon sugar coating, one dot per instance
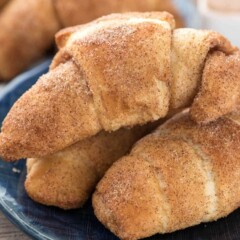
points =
(119, 71)
(179, 176)
(67, 178)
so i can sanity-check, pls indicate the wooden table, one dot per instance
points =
(7, 230)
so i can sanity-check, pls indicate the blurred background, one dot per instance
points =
(28, 26)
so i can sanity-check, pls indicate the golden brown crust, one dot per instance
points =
(63, 35)
(62, 109)
(175, 160)
(73, 102)
(120, 73)
(127, 69)
(55, 181)
(66, 179)
(219, 92)
(190, 48)
(220, 142)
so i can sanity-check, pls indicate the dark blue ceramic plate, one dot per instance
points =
(42, 222)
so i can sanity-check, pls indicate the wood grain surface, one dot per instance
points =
(10, 232)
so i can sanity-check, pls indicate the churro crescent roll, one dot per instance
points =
(67, 178)
(28, 27)
(3, 2)
(27, 30)
(118, 71)
(179, 176)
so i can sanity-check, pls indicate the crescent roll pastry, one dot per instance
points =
(219, 93)
(28, 26)
(67, 178)
(119, 71)
(179, 176)
(2, 3)
(27, 29)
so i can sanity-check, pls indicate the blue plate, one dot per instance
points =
(42, 222)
